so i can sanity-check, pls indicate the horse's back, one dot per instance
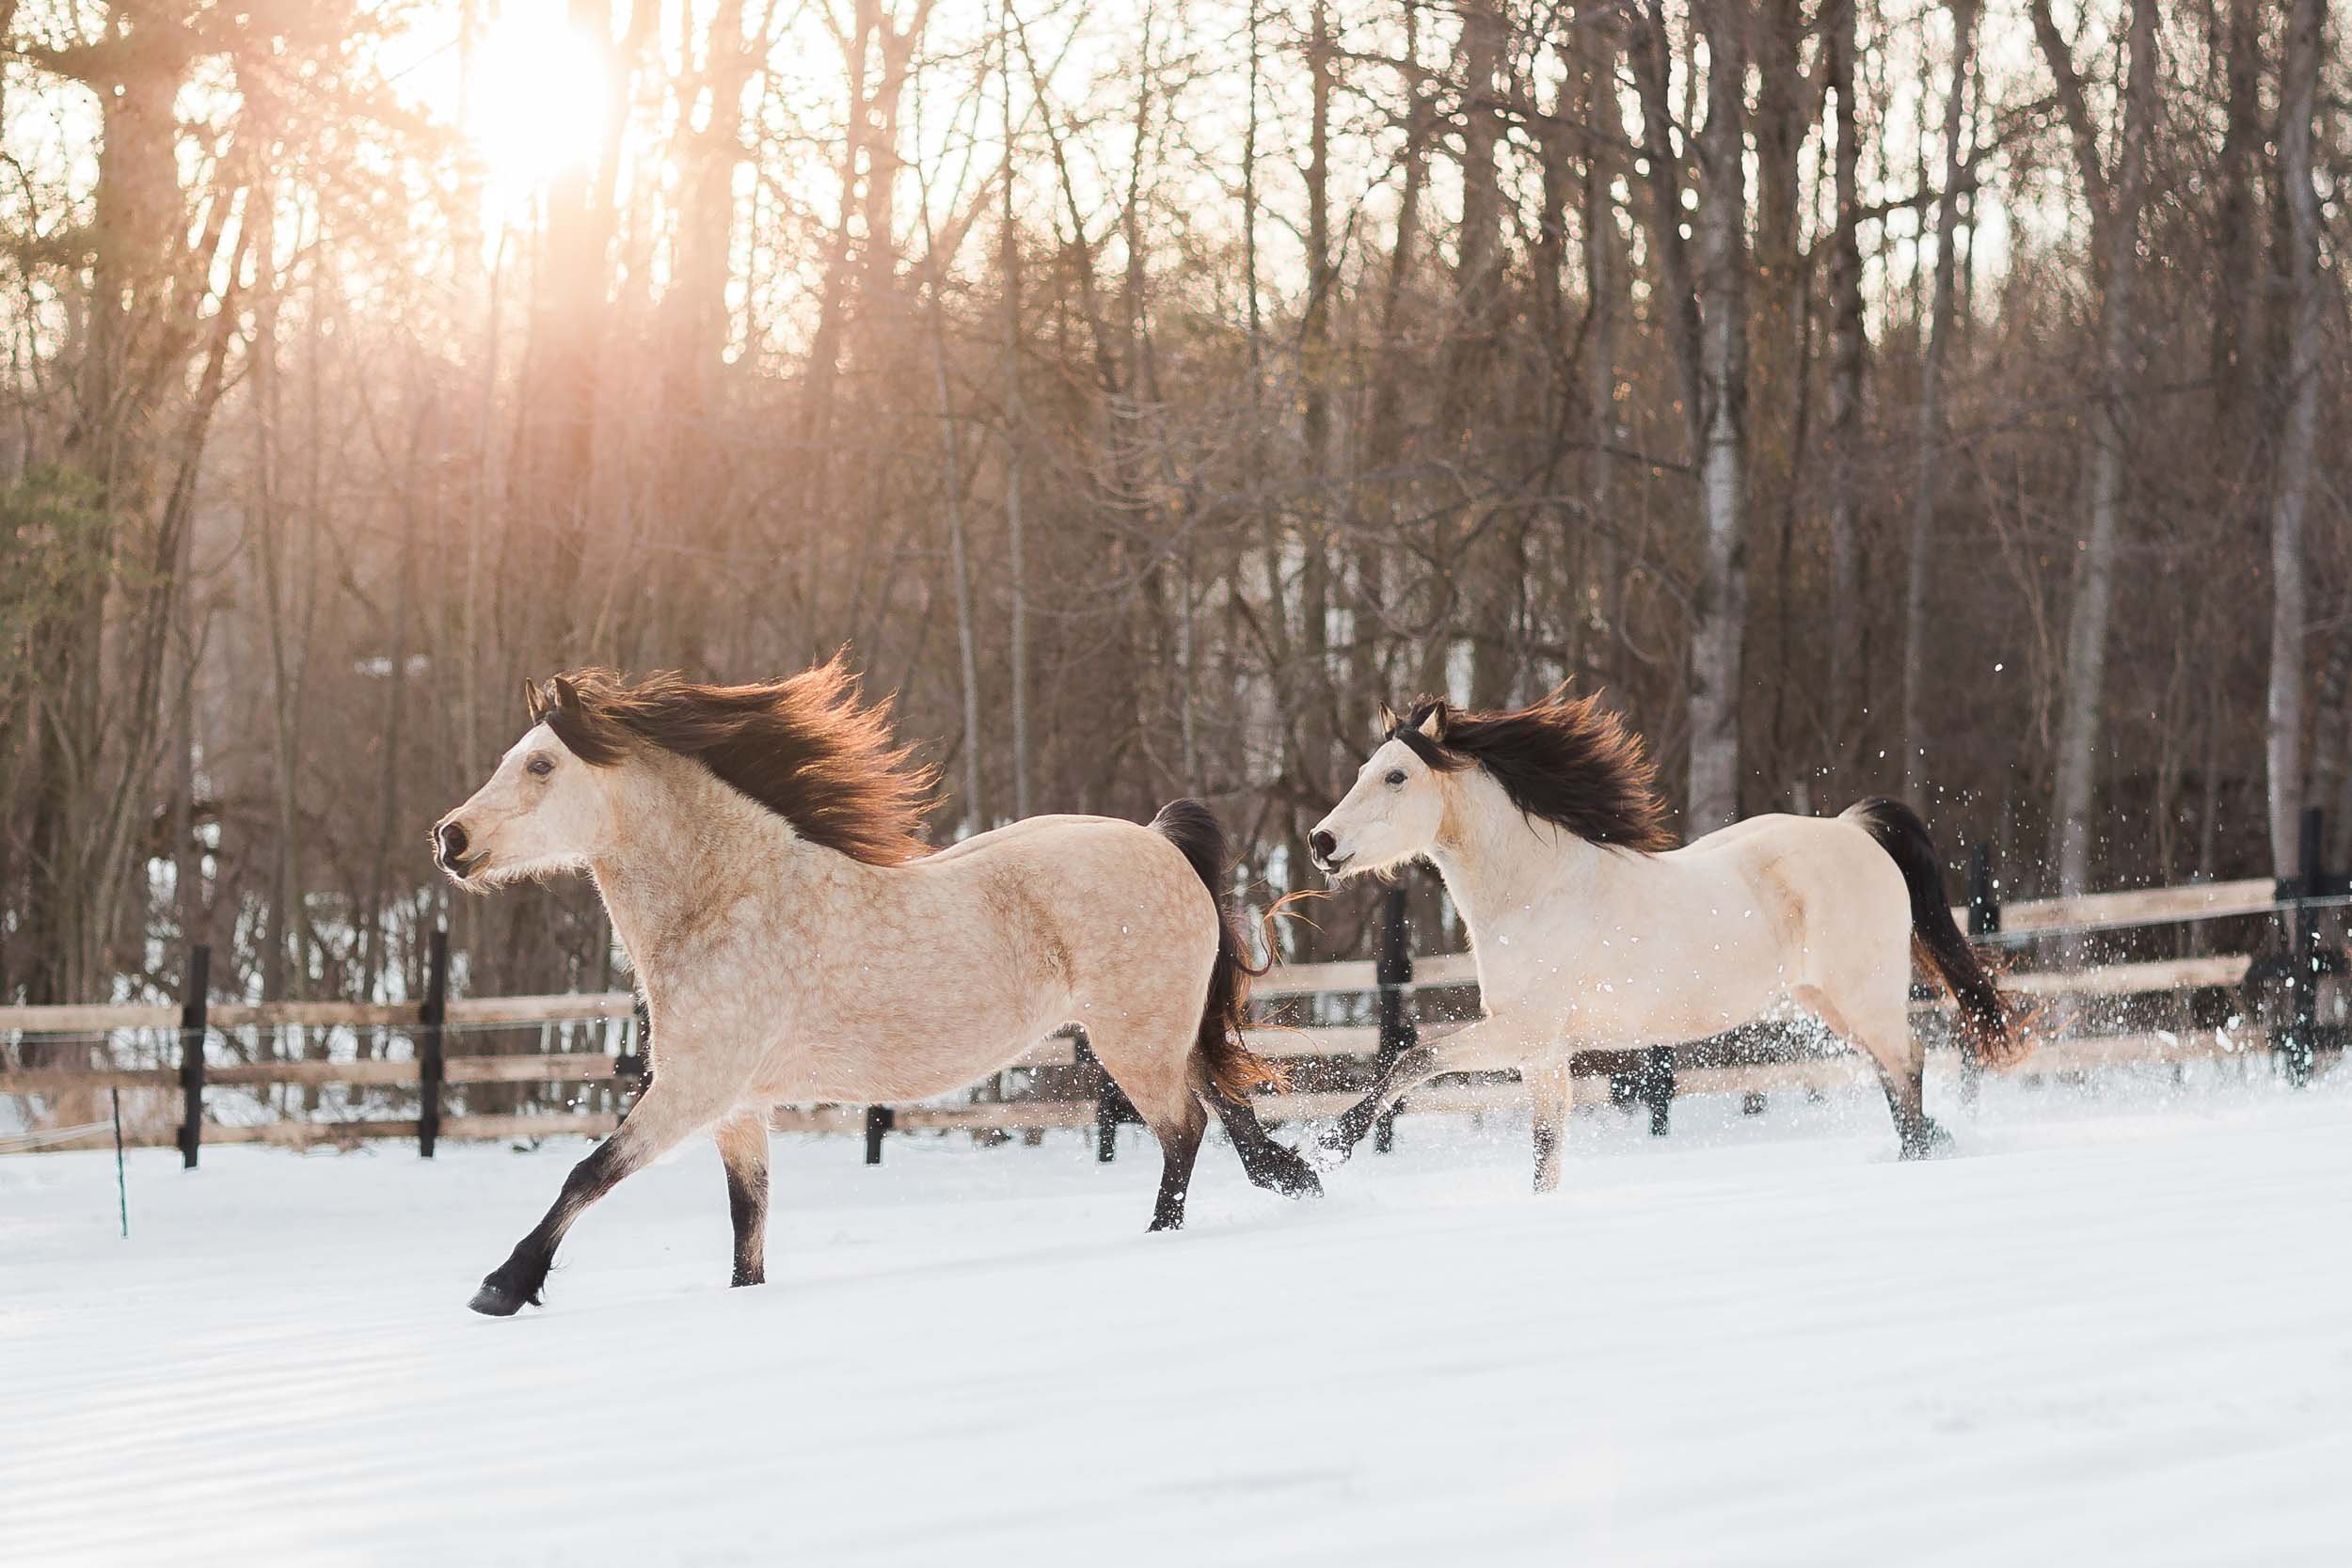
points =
(953, 964)
(1831, 842)
(1109, 890)
(1821, 875)
(1058, 827)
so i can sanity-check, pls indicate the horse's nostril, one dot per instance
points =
(1323, 844)
(453, 842)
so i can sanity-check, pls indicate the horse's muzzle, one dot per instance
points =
(448, 848)
(1324, 850)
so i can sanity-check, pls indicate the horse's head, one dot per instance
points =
(1397, 805)
(1564, 763)
(543, 811)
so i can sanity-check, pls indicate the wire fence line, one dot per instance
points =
(42, 1138)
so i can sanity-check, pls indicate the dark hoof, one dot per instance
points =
(1163, 1223)
(1301, 1182)
(741, 1279)
(1927, 1142)
(496, 1301)
(1333, 1149)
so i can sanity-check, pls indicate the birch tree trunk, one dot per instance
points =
(2115, 209)
(696, 301)
(1778, 330)
(1605, 278)
(1846, 351)
(1719, 614)
(270, 559)
(959, 565)
(2236, 352)
(1015, 544)
(2291, 490)
(1925, 473)
(1385, 426)
(1479, 548)
(1318, 728)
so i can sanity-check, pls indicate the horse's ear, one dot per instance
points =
(534, 699)
(561, 693)
(1432, 724)
(1390, 718)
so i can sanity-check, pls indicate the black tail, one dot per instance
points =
(1231, 1066)
(1988, 1020)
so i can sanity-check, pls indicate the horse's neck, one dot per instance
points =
(687, 844)
(1497, 861)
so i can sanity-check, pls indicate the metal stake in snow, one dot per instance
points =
(122, 1187)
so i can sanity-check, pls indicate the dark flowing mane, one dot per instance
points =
(804, 747)
(1565, 759)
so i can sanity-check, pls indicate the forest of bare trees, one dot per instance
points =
(1938, 400)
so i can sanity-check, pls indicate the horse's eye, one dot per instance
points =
(542, 766)
(1396, 777)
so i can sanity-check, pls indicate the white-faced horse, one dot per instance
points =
(757, 848)
(1593, 932)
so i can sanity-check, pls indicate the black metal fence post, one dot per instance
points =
(432, 1067)
(1984, 919)
(1108, 1105)
(631, 1066)
(1984, 902)
(1657, 1087)
(1392, 972)
(192, 1053)
(879, 1120)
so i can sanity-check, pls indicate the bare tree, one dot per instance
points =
(2291, 492)
(2115, 202)
(1846, 352)
(303, 460)
(1706, 325)
(1925, 490)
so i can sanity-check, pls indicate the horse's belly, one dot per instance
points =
(900, 1072)
(1638, 1004)
(1673, 1025)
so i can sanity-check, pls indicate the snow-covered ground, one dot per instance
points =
(2102, 1332)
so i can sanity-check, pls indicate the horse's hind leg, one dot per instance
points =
(743, 1140)
(1180, 1146)
(1268, 1163)
(1919, 1134)
(1152, 1068)
(1884, 1033)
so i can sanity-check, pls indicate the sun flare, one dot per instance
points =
(539, 99)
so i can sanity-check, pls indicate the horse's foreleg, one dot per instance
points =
(1482, 1044)
(655, 1125)
(520, 1279)
(743, 1140)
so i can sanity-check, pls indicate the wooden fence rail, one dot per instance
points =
(1392, 979)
